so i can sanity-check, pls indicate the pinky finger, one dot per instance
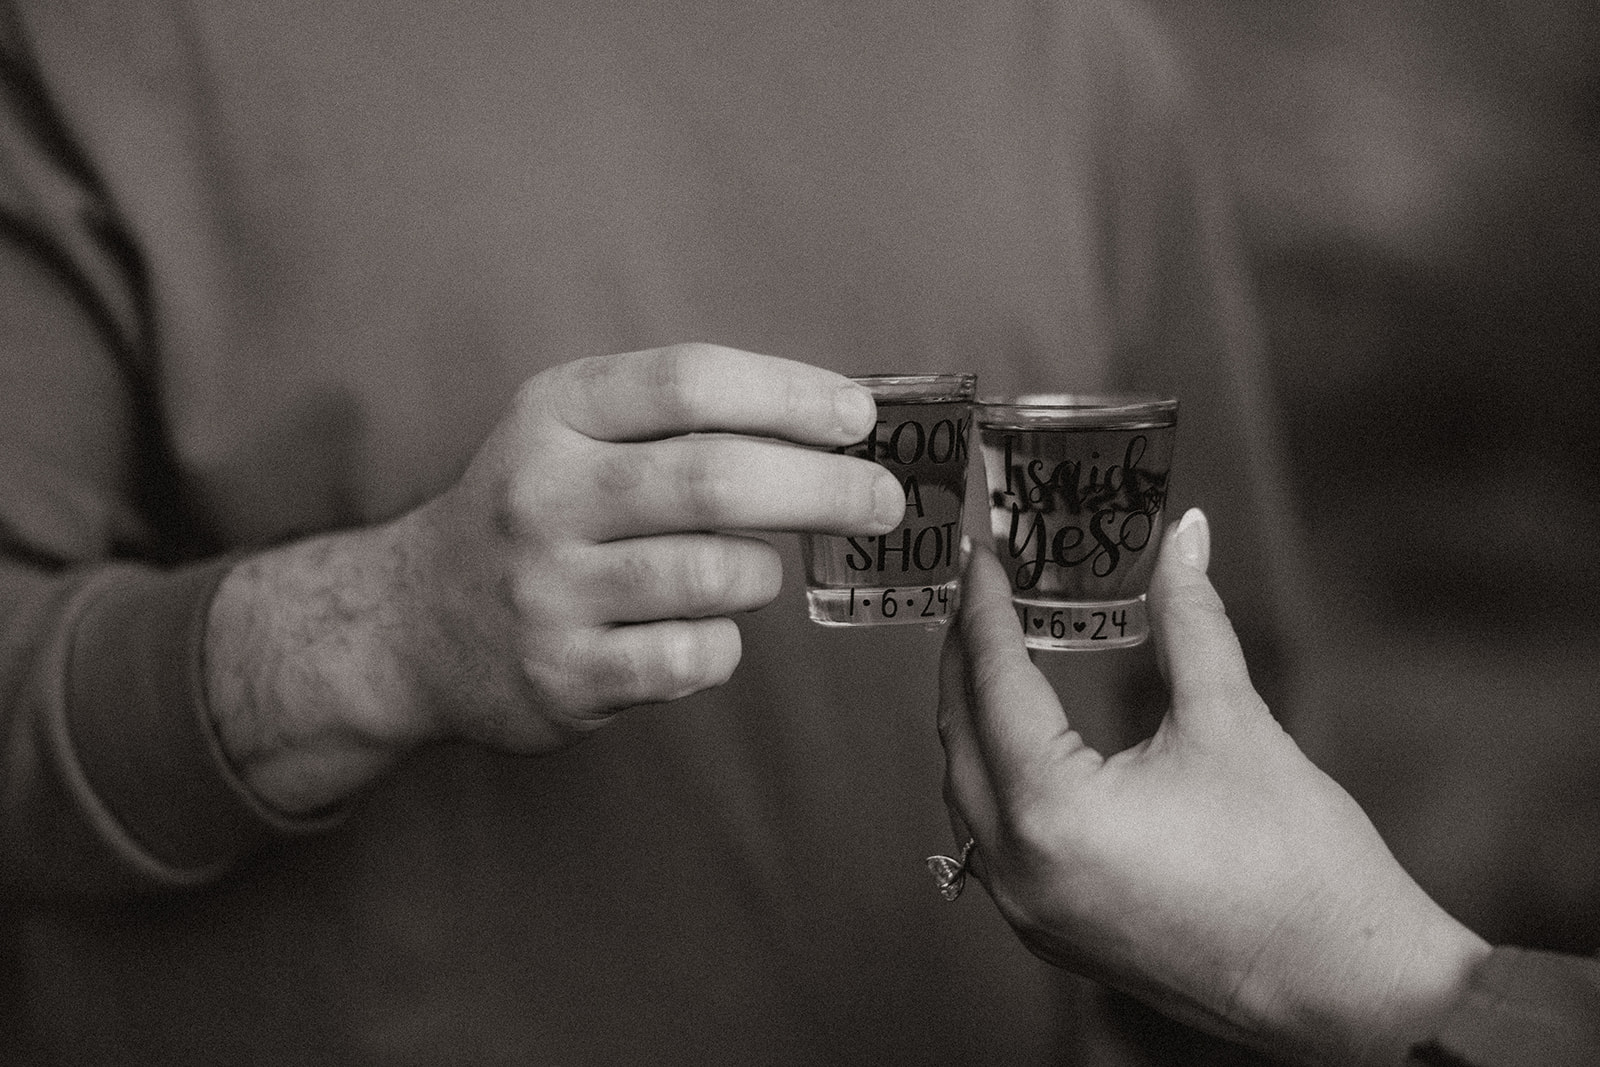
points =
(651, 663)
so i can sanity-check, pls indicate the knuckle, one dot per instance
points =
(1198, 599)
(534, 599)
(695, 657)
(565, 677)
(568, 384)
(550, 394)
(707, 486)
(837, 494)
(708, 579)
(615, 675)
(510, 518)
(723, 576)
(697, 358)
(522, 595)
(624, 674)
(855, 491)
(520, 505)
(586, 368)
(664, 667)
(550, 680)
(529, 395)
(681, 661)
(633, 572)
(622, 474)
(680, 376)
(799, 401)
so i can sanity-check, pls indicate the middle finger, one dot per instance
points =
(729, 482)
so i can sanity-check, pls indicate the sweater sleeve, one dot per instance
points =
(1522, 1008)
(113, 778)
(110, 776)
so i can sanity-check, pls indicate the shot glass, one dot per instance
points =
(910, 575)
(1077, 487)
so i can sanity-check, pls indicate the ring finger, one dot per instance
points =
(679, 576)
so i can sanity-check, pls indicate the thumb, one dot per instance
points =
(1195, 643)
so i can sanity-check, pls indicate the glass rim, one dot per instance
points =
(960, 386)
(1110, 411)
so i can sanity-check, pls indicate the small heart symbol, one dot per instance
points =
(1078, 626)
(1038, 624)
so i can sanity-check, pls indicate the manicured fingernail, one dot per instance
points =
(888, 501)
(854, 409)
(1192, 539)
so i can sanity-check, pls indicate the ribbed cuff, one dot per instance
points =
(152, 771)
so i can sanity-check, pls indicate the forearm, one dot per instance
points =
(307, 680)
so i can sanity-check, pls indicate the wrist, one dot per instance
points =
(1383, 981)
(1425, 980)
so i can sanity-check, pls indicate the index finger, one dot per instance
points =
(1016, 716)
(701, 388)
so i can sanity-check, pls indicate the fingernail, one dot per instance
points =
(888, 501)
(854, 409)
(1192, 539)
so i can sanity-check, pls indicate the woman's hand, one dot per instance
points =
(1211, 870)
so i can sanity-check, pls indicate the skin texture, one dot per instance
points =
(591, 558)
(1210, 870)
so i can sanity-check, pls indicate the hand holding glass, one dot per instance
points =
(911, 574)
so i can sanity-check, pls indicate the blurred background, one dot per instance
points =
(1420, 189)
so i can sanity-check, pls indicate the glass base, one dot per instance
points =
(1082, 626)
(907, 605)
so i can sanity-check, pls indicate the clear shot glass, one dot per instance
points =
(1077, 490)
(910, 575)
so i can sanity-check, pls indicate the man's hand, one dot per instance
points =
(1211, 870)
(588, 560)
